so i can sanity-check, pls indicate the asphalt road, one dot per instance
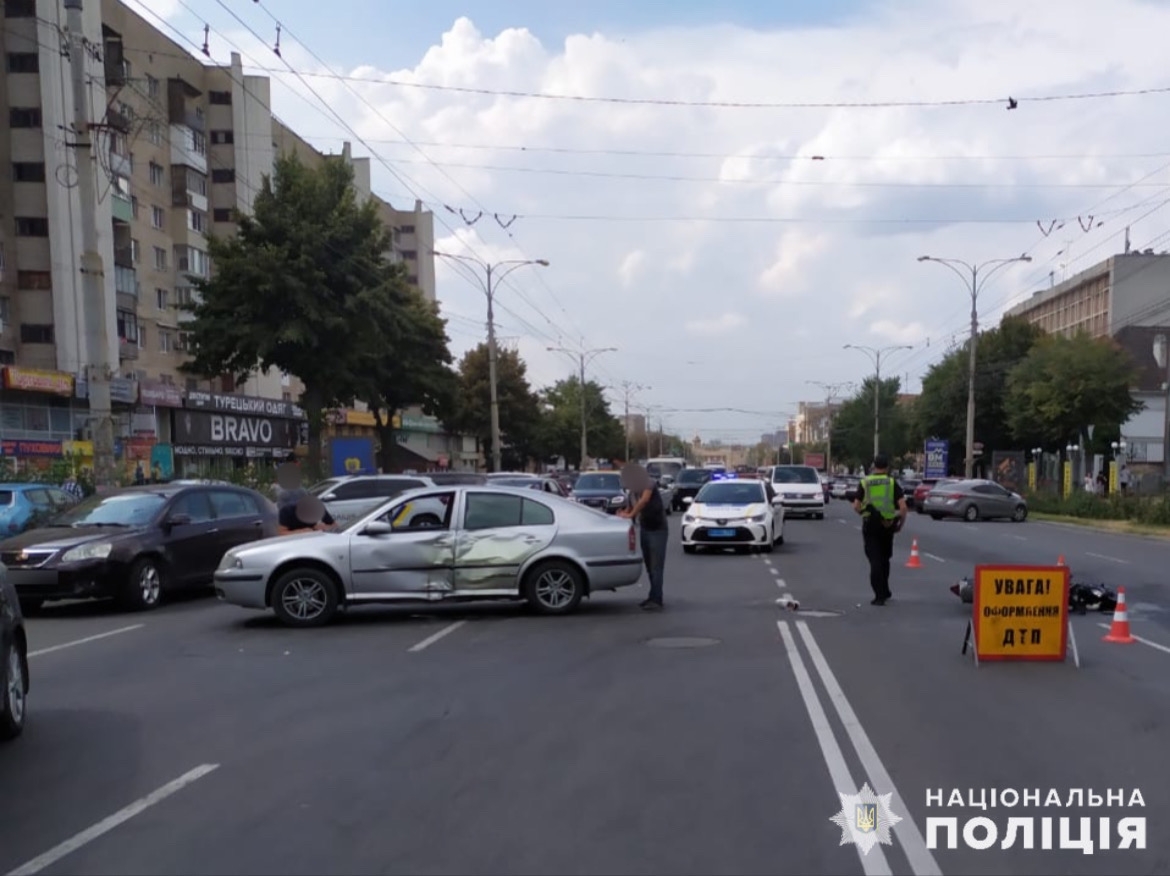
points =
(491, 741)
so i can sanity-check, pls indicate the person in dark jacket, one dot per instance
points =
(650, 513)
(882, 505)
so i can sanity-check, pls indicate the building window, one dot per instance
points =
(185, 342)
(162, 298)
(135, 251)
(32, 226)
(406, 229)
(219, 98)
(160, 258)
(23, 62)
(31, 333)
(37, 280)
(222, 214)
(190, 260)
(128, 326)
(4, 311)
(28, 171)
(183, 296)
(142, 337)
(197, 183)
(166, 341)
(197, 221)
(24, 117)
(152, 87)
(157, 174)
(222, 138)
(199, 143)
(410, 255)
(20, 9)
(223, 175)
(158, 218)
(154, 133)
(134, 206)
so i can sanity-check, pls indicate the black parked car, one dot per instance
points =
(687, 485)
(136, 543)
(601, 490)
(13, 661)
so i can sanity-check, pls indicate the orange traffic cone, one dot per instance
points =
(914, 562)
(1060, 560)
(1119, 631)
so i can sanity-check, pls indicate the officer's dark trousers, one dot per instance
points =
(879, 550)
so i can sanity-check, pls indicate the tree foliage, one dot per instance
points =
(520, 411)
(941, 409)
(561, 432)
(1065, 384)
(303, 287)
(853, 424)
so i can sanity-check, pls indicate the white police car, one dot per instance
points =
(733, 513)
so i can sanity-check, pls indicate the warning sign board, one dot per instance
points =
(1021, 612)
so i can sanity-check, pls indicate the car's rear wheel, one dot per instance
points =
(305, 597)
(13, 693)
(31, 605)
(142, 590)
(554, 587)
(936, 517)
(1020, 514)
(971, 514)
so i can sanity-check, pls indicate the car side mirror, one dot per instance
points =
(777, 502)
(328, 497)
(178, 520)
(687, 500)
(377, 527)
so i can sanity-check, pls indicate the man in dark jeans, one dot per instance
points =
(882, 505)
(650, 513)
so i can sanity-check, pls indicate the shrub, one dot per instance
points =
(1151, 510)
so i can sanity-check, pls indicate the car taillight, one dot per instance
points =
(955, 496)
(633, 540)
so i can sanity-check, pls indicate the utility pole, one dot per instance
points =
(100, 369)
(489, 287)
(583, 357)
(975, 285)
(875, 356)
(628, 388)
(831, 391)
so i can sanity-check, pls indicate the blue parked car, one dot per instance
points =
(24, 505)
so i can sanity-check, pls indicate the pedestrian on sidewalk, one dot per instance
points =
(881, 503)
(650, 514)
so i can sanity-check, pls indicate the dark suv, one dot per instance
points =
(687, 485)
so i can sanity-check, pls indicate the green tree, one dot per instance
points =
(302, 286)
(853, 424)
(561, 427)
(1065, 384)
(413, 368)
(941, 408)
(520, 413)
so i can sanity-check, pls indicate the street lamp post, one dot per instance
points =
(976, 281)
(875, 355)
(489, 286)
(1162, 356)
(584, 357)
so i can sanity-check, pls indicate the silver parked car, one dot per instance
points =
(349, 497)
(491, 543)
(975, 500)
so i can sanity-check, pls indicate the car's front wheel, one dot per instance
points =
(554, 587)
(689, 548)
(1020, 514)
(971, 514)
(142, 590)
(305, 597)
(13, 693)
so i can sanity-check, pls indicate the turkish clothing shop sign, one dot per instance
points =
(230, 430)
(243, 404)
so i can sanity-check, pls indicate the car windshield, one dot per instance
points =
(5, 497)
(730, 493)
(795, 474)
(595, 481)
(693, 476)
(126, 509)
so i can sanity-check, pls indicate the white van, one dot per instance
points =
(799, 487)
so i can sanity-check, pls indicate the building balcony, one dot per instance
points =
(184, 149)
(121, 165)
(125, 280)
(123, 256)
(127, 350)
(123, 209)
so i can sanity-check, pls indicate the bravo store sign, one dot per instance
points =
(197, 433)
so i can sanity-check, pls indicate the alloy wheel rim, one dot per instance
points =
(149, 584)
(555, 589)
(304, 598)
(15, 687)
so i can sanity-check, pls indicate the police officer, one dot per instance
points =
(882, 505)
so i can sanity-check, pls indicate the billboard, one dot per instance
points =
(937, 454)
(351, 456)
(816, 460)
(1009, 469)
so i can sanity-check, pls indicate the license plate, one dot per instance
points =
(721, 533)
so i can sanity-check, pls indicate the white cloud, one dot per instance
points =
(718, 325)
(837, 258)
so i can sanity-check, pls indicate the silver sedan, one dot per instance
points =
(491, 543)
(975, 500)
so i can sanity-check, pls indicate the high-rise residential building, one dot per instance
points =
(179, 147)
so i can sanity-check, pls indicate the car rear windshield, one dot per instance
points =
(795, 474)
(731, 493)
(5, 497)
(591, 481)
(693, 476)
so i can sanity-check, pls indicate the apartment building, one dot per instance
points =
(179, 147)
(812, 422)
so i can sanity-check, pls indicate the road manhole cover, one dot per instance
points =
(682, 642)
(803, 613)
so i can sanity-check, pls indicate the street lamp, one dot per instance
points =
(1118, 448)
(1162, 357)
(584, 357)
(489, 287)
(875, 356)
(977, 282)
